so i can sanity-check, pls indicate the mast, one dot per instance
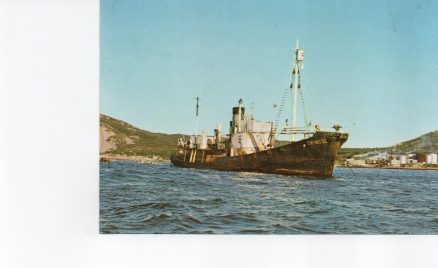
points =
(240, 115)
(298, 65)
(197, 116)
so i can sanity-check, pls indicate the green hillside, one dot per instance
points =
(427, 143)
(122, 138)
(346, 153)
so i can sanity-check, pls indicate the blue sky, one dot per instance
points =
(369, 65)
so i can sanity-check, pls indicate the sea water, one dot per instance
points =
(161, 198)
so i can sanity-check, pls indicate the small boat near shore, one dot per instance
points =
(105, 159)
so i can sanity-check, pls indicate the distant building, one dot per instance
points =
(355, 162)
(403, 159)
(395, 162)
(421, 158)
(431, 159)
(385, 158)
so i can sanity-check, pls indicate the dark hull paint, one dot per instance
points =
(314, 156)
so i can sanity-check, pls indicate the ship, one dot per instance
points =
(252, 146)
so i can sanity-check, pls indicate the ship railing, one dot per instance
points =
(290, 130)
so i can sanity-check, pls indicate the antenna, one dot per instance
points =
(197, 116)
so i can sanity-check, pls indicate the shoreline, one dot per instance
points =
(157, 159)
(400, 168)
(135, 158)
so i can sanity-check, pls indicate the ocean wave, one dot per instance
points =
(136, 198)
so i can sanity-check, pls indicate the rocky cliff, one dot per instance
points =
(120, 138)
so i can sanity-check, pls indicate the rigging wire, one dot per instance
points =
(306, 122)
(279, 111)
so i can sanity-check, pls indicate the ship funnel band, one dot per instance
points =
(236, 110)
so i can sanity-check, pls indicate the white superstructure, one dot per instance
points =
(247, 134)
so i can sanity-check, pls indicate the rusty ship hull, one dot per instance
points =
(314, 156)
